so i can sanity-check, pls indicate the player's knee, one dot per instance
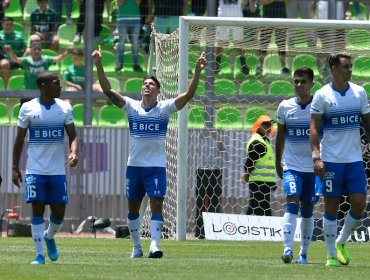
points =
(292, 208)
(306, 211)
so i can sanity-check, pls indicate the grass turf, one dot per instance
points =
(88, 258)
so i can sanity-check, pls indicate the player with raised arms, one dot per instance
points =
(294, 164)
(146, 167)
(337, 159)
(45, 118)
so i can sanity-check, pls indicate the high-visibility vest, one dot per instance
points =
(264, 167)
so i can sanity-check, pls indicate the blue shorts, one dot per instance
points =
(141, 180)
(301, 184)
(342, 178)
(52, 189)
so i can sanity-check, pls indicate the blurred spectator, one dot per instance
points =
(302, 9)
(273, 9)
(99, 8)
(128, 23)
(227, 8)
(198, 7)
(74, 74)
(15, 39)
(4, 4)
(33, 39)
(357, 6)
(166, 14)
(57, 5)
(43, 23)
(35, 63)
(145, 29)
(251, 9)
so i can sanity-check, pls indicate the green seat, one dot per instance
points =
(358, 39)
(110, 115)
(127, 69)
(109, 63)
(281, 87)
(115, 84)
(18, 27)
(252, 87)
(361, 68)
(316, 87)
(252, 62)
(223, 86)
(78, 115)
(29, 6)
(353, 11)
(1, 83)
(75, 14)
(66, 33)
(15, 113)
(228, 118)
(201, 89)
(307, 60)
(14, 10)
(16, 82)
(366, 86)
(4, 114)
(106, 35)
(133, 85)
(272, 66)
(252, 114)
(225, 67)
(196, 117)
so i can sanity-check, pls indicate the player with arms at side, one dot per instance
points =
(146, 167)
(45, 118)
(337, 158)
(294, 164)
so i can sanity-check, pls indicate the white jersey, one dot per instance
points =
(341, 112)
(230, 8)
(45, 123)
(297, 150)
(148, 129)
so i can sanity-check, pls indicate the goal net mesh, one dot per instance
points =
(231, 95)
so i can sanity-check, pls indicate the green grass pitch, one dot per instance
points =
(88, 258)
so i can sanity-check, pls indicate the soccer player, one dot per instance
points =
(337, 160)
(294, 164)
(45, 118)
(146, 167)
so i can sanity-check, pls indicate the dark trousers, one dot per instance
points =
(259, 200)
(99, 8)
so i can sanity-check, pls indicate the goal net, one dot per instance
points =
(206, 143)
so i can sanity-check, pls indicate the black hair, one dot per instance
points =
(154, 79)
(45, 77)
(7, 19)
(334, 59)
(304, 71)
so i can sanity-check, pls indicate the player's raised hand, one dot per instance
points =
(96, 55)
(201, 62)
(17, 177)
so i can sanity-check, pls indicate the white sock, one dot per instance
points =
(350, 224)
(306, 234)
(155, 232)
(134, 227)
(53, 229)
(289, 226)
(38, 237)
(330, 234)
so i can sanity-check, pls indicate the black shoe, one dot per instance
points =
(285, 70)
(137, 68)
(155, 254)
(245, 69)
(119, 67)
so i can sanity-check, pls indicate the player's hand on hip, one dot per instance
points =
(72, 159)
(319, 168)
(16, 177)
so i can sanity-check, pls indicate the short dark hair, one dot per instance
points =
(334, 59)
(78, 52)
(154, 79)
(5, 18)
(45, 77)
(304, 71)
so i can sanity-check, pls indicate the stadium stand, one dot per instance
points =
(196, 117)
(111, 115)
(228, 118)
(281, 87)
(252, 87)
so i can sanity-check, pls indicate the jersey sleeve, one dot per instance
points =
(364, 103)
(169, 105)
(23, 120)
(317, 105)
(281, 114)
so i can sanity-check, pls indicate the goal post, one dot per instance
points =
(211, 132)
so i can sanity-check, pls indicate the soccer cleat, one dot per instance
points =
(155, 253)
(287, 256)
(53, 252)
(40, 259)
(342, 252)
(302, 259)
(331, 261)
(137, 252)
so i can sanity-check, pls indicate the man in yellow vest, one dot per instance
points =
(259, 168)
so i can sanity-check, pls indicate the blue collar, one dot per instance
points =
(303, 106)
(342, 93)
(47, 106)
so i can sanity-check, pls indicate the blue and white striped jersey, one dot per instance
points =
(341, 112)
(45, 123)
(148, 129)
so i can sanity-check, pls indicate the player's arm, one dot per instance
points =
(182, 99)
(73, 144)
(366, 125)
(116, 98)
(279, 149)
(12, 55)
(17, 152)
(318, 164)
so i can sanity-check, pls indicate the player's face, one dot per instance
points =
(343, 70)
(302, 85)
(55, 87)
(149, 87)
